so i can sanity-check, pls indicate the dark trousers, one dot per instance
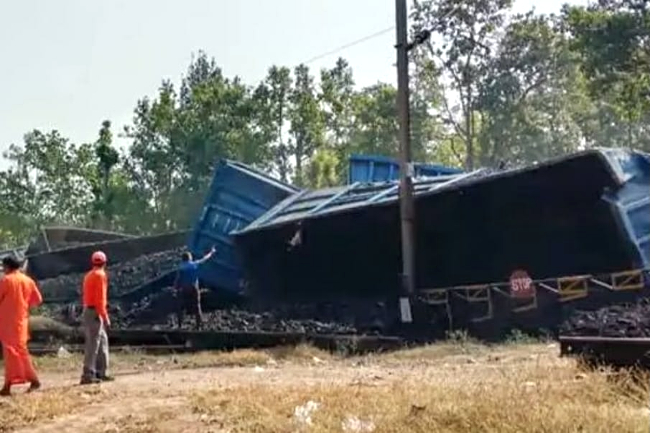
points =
(96, 345)
(188, 301)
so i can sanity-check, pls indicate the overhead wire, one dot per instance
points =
(349, 45)
(420, 38)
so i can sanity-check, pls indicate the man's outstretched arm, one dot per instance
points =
(207, 256)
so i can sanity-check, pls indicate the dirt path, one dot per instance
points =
(134, 398)
(435, 389)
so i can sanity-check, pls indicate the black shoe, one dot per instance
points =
(106, 378)
(89, 381)
(34, 386)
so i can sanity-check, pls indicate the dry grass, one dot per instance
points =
(26, 409)
(303, 353)
(458, 386)
(511, 390)
(139, 361)
(428, 408)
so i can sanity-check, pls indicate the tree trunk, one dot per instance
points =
(469, 138)
(299, 153)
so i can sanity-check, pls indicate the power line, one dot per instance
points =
(420, 38)
(350, 44)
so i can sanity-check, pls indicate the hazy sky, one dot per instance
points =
(69, 64)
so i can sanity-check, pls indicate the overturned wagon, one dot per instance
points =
(238, 195)
(75, 259)
(57, 238)
(586, 214)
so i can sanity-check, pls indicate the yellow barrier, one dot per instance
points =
(629, 280)
(478, 294)
(567, 288)
(571, 288)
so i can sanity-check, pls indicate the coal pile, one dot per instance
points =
(157, 311)
(361, 315)
(154, 310)
(250, 321)
(123, 277)
(631, 320)
(150, 311)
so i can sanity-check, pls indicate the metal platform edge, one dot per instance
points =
(609, 351)
(223, 340)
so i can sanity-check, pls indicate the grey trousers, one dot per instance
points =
(96, 346)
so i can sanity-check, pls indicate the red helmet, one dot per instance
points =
(98, 258)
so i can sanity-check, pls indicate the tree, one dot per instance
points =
(202, 69)
(178, 139)
(323, 169)
(218, 121)
(45, 183)
(375, 127)
(613, 39)
(272, 99)
(464, 35)
(107, 158)
(306, 119)
(484, 91)
(337, 96)
(533, 98)
(375, 124)
(154, 161)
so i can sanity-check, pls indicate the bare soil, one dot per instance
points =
(446, 387)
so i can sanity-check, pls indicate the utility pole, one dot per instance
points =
(406, 168)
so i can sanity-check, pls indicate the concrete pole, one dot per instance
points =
(406, 168)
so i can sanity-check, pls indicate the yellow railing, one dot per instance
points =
(568, 288)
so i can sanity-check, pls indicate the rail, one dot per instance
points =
(612, 351)
(47, 341)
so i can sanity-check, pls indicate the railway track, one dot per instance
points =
(175, 341)
(615, 352)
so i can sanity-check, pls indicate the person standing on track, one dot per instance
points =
(186, 288)
(18, 293)
(95, 321)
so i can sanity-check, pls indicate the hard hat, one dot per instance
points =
(98, 258)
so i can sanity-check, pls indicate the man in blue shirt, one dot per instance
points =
(186, 287)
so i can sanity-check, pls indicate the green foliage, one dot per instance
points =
(613, 40)
(517, 337)
(104, 206)
(322, 169)
(458, 55)
(487, 89)
(46, 183)
(272, 103)
(307, 127)
(532, 95)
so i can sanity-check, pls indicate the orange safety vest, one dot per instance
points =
(95, 288)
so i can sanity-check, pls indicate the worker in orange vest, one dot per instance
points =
(95, 321)
(18, 293)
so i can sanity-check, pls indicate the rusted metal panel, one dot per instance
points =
(77, 259)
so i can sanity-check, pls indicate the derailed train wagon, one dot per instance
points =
(71, 260)
(238, 195)
(56, 238)
(584, 214)
(374, 168)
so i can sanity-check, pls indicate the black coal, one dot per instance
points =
(629, 320)
(123, 277)
(158, 311)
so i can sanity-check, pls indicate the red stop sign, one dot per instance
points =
(521, 285)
